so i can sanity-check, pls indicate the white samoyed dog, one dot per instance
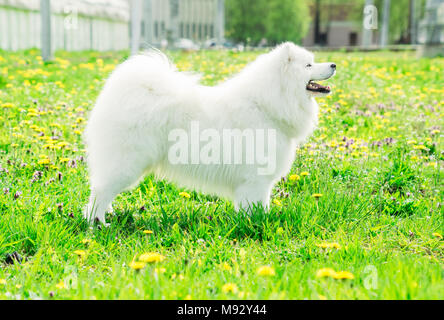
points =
(146, 103)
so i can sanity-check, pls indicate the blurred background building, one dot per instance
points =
(104, 24)
(196, 20)
(192, 24)
(334, 25)
(75, 25)
(431, 29)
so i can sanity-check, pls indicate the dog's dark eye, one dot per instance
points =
(308, 65)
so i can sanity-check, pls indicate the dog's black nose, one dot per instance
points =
(333, 66)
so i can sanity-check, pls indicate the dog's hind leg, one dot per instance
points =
(252, 194)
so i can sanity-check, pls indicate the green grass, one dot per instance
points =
(375, 159)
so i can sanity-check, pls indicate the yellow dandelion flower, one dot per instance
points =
(266, 271)
(61, 285)
(8, 105)
(294, 177)
(136, 265)
(438, 235)
(150, 257)
(225, 266)
(147, 231)
(342, 275)
(62, 144)
(80, 253)
(326, 245)
(44, 161)
(325, 272)
(316, 195)
(277, 202)
(433, 164)
(188, 297)
(304, 174)
(229, 288)
(184, 194)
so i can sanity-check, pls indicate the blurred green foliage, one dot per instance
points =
(275, 20)
(289, 20)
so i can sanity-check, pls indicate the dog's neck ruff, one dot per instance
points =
(301, 123)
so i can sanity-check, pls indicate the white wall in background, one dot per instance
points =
(75, 24)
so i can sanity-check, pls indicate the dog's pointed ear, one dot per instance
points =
(287, 52)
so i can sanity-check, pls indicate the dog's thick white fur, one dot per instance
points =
(146, 97)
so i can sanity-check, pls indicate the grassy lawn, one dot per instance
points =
(364, 196)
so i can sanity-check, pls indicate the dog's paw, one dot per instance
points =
(102, 224)
(88, 214)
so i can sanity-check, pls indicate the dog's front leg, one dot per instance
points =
(253, 194)
(100, 202)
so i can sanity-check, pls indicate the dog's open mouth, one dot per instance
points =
(316, 87)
